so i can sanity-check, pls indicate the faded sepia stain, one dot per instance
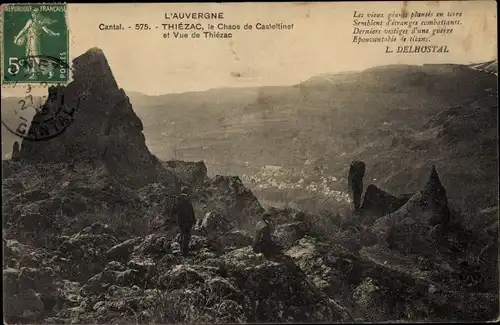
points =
(231, 47)
(404, 9)
(484, 23)
(467, 42)
(235, 74)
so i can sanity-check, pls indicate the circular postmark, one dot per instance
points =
(50, 115)
(50, 118)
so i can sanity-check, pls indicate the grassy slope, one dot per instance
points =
(399, 119)
(408, 118)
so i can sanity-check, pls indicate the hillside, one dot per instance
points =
(79, 247)
(393, 117)
(90, 232)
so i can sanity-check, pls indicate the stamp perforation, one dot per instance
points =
(30, 25)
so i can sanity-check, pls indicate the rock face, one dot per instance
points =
(378, 202)
(15, 151)
(287, 234)
(407, 228)
(193, 173)
(95, 260)
(212, 225)
(227, 196)
(104, 126)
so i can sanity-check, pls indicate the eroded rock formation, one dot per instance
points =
(104, 126)
(407, 229)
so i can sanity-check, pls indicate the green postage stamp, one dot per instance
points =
(35, 43)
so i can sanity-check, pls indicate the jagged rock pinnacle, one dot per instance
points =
(104, 126)
(433, 188)
(95, 50)
(92, 70)
(434, 177)
(378, 202)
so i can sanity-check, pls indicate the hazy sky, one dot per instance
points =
(320, 42)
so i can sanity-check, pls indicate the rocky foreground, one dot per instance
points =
(80, 247)
(89, 237)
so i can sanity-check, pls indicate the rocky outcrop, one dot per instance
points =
(228, 197)
(85, 252)
(192, 173)
(326, 266)
(146, 279)
(104, 125)
(289, 233)
(83, 247)
(221, 233)
(378, 202)
(406, 229)
(15, 151)
(212, 225)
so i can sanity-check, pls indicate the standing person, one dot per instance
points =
(355, 180)
(185, 218)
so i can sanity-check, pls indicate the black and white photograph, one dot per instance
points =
(240, 163)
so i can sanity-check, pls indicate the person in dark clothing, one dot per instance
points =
(263, 242)
(185, 219)
(355, 180)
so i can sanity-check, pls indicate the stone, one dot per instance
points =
(15, 151)
(407, 228)
(287, 234)
(378, 202)
(194, 173)
(122, 251)
(212, 225)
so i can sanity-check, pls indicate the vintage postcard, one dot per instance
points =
(330, 162)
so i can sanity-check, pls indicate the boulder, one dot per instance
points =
(287, 234)
(30, 293)
(183, 276)
(328, 267)
(212, 225)
(228, 197)
(193, 173)
(14, 251)
(122, 251)
(113, 274)
(280, 289)
(24, 307)
(153, 244)
(378, 202)
(233, 240)
(84, 254)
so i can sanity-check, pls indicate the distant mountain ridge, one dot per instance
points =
(488, 66)
(398, 118)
